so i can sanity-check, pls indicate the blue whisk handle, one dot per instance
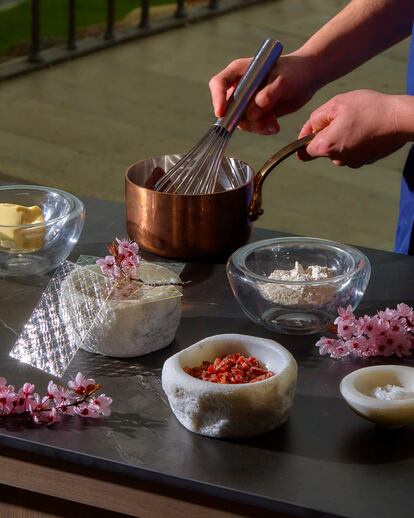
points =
(251, 81)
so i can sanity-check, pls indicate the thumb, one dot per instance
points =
(221, 83)
(322, 117)
(307, 129)
(319, 120)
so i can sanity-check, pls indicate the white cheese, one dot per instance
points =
(129, 320)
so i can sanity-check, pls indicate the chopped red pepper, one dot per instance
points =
(232, 368)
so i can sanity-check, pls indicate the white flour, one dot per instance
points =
(288, 295)
(392, 392)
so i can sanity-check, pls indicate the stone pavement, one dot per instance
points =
(77, 126)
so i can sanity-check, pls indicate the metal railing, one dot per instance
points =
(38, 58)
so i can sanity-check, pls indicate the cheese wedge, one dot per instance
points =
(14, 238)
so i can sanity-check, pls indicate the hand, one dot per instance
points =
(289, 87)
(356, 128)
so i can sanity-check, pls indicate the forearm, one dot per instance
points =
(363, 29)
(404, 116)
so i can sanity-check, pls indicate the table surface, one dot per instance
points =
(324, 459)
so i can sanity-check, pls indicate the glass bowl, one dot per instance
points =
(297, 306)
(35, 248)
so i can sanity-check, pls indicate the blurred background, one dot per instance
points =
(74, 118)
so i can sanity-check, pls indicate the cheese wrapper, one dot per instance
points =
(12, 237)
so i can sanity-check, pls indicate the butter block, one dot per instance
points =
(12, 216)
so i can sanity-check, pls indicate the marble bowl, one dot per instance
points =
(221, 410)
(357, 389)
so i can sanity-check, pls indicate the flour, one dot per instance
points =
(288, 294)
(392, 392)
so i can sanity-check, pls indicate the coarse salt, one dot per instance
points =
(290, 294)
(392, 392)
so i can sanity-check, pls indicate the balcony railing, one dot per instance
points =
(38, 58)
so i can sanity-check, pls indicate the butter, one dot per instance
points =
(12, 237)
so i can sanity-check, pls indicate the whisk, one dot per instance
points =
(198, 171)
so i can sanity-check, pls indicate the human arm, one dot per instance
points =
(361, 30)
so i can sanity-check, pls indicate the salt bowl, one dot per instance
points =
(365, 391)
(231, 410)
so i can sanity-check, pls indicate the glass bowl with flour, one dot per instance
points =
(296, 284)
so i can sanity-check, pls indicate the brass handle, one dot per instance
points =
(255, 207)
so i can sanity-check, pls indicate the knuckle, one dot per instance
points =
(239, 62)
(323, 147)
(265, 98)
(212, 82)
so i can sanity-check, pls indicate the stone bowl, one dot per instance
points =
(357, 389)
(226, 410)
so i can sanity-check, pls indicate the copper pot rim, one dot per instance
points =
(193, 196)
(255, 204)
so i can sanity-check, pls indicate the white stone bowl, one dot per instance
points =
(226, 410)
(357, 389)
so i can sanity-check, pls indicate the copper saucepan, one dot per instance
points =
(196, 226)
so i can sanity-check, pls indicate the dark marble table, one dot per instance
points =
(324, 461)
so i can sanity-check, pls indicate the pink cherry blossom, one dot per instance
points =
(128, 248)
(7, 399)
(346, 329)
(404, 310)
(101, 404)
(384, 334)
(87, 410)
(123, 261)
(372, 326)
(388, 314)
(397, 326)
(109, 267)
(25, 398)
(81, 399)
(358, 346)
(403, 346)
(345, 314)
(340, 351)
(81, 384)
(49, 416)
(326, 345)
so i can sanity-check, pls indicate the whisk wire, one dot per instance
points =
(210, 174)
(213, 174)
(203, 164)
(199, 170)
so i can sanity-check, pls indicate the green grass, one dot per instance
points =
(15, 23)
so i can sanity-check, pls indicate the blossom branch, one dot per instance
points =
(80, 398)
(384, 334)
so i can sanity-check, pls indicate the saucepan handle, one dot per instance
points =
(255, 207)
